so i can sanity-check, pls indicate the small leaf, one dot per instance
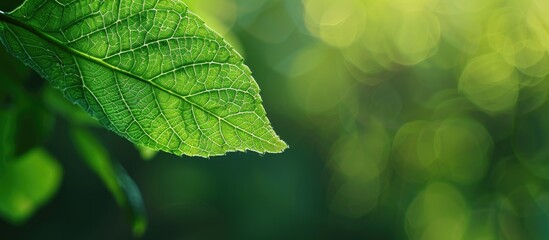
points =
(146, 153)
(149, 70)
(26, 184)
(114, 176)
(135, 201)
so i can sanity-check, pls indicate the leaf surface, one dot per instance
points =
(149, 70)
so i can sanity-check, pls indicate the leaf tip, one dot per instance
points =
(279, 147)
(139, 227)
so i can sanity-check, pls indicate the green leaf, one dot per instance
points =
(55, 101)
(114, 176)
(13, 71)
(149, 70)
(146, 153)
(26, 184)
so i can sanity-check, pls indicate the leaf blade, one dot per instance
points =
(114, 176)
(163, 79)
(28, 183)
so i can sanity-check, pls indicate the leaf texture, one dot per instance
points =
(149, 70)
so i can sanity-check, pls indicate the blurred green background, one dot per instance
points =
(406, 119)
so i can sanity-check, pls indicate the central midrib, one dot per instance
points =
(8, 19)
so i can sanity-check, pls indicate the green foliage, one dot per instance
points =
(149, 70)
(113, 175)
(145, 152)
(26, 184)
(409, 119)
(54, 100)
